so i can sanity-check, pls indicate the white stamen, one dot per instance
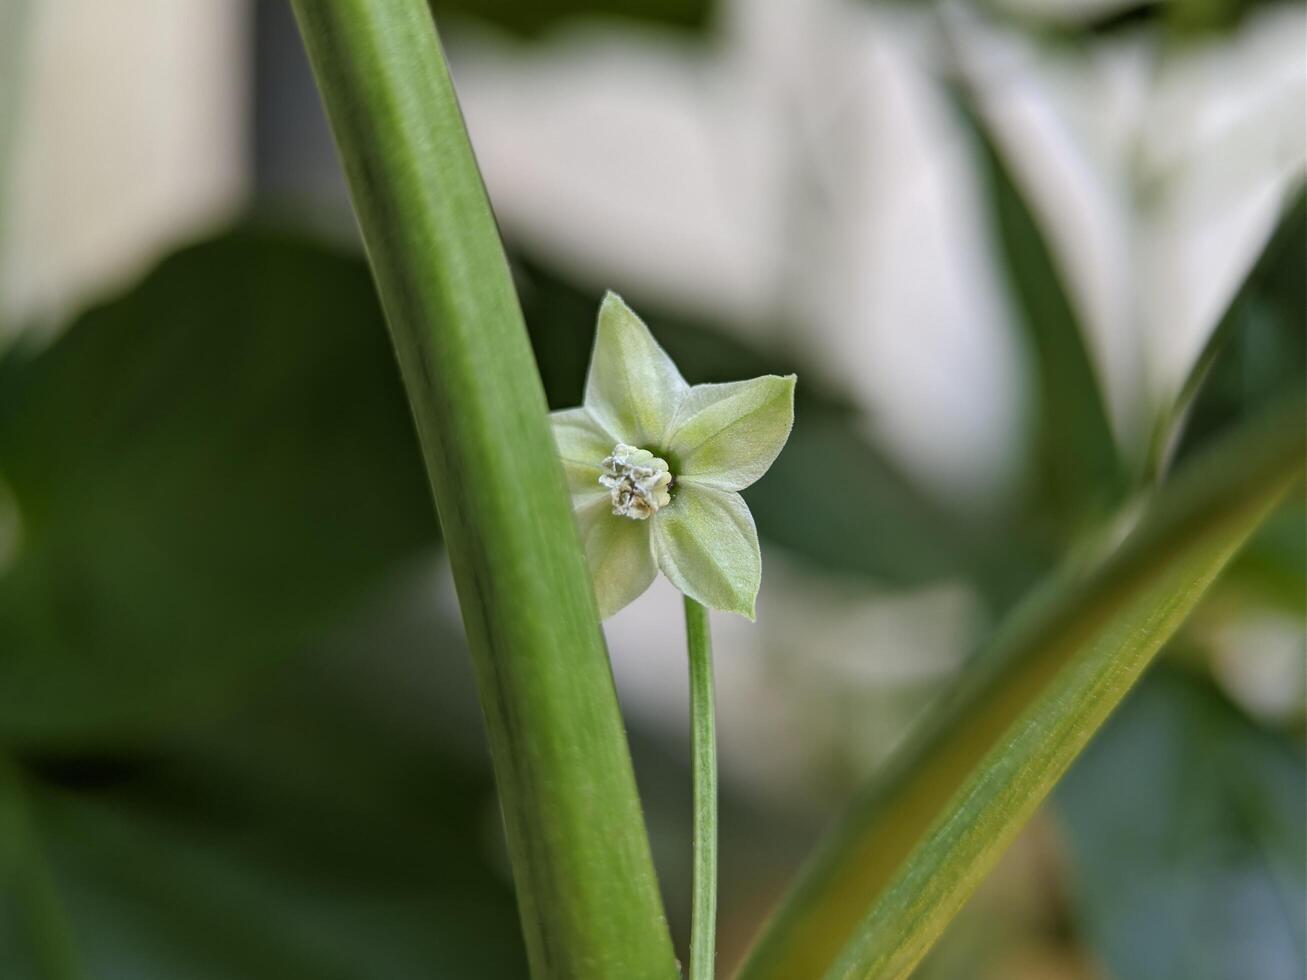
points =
(637, 481)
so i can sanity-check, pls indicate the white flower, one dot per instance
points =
(655, 465)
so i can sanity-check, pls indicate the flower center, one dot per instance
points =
(637, 481)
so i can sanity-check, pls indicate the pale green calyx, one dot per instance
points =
(637, 482)
(637, 515)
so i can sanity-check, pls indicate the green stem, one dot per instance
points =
(703, 911)
(586, 888)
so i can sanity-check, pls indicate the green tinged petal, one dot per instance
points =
(582, 446)
(619, 552)
(726, 436)
(633, 389)
(718, 438)
(706, 544)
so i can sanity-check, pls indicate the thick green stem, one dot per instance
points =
(585, 881)
(703, 911)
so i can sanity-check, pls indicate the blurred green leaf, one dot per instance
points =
(1186, 825)
(1095, 21)
(534, 17)
(1078, 470)
(1200, 19)
(205, 472)
(1272, 569)
(1259, 348)
(1256, 353)
(321, 831)
(34, 936)
(913, 847)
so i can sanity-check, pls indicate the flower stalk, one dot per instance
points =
(703, 736)
(665, 497)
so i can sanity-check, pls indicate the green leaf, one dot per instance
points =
(910, 850)
(1185, 824)
(325, 829)
(1258, 349)
(201, 475)
(1256, 353)
(34, 936)
(1077, 462)
(534, 17)
(1272, 569)
(585, 880)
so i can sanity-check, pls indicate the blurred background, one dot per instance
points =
(238, 733)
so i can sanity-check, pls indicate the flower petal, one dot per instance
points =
(582, 445)
(705, 542)
(633, 389)
(620, 555)
(726, 436)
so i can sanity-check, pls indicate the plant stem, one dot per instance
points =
(703, 910)
(586, 888)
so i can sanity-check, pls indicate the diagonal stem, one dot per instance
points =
(703, 912)
(917, 841)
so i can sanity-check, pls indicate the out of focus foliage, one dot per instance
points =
(321, 829)
(244, 737)
(1185, 821)
(1259, 348)
(204, 471)
(531, 18)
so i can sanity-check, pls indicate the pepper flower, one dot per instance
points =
(655, 467)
